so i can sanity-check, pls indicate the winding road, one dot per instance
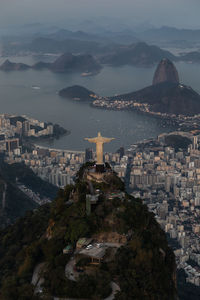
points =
(4, 197)
(37, 280)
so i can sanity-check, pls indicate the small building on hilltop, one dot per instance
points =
(83, 242)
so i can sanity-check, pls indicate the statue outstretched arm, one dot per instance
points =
(91, 140)
(107, 140)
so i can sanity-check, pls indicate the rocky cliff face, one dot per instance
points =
(165, 72)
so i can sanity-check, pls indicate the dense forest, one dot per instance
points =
(144, 267)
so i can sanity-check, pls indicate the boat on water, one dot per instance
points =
(35, 87)
(85, 74)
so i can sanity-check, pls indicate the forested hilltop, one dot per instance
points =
(92, 241)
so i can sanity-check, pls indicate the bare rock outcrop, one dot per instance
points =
(165, 72)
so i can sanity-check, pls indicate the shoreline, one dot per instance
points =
(47, 137)
(155, 116)
(179, 122)
(58, 150)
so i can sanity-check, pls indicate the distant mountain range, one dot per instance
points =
(125, 37)
(139, 54)
(50, 45)
(171, 36)
(65, 63)
(38, 38)
(193, 57)
(10, 66)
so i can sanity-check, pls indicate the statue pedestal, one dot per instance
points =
(100, 168)
(97, 173)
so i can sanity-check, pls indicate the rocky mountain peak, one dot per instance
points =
(165, 72)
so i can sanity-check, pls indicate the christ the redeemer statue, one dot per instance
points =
(99, 141)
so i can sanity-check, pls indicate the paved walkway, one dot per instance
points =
(115, 289)
(37, 280)
(71, 275)
(69, 270)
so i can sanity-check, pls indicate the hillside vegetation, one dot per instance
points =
(143, 266)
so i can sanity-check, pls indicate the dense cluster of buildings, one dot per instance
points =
(118, 103)
(167, 179)
(169, 183)
(13, 128)
(59, 167)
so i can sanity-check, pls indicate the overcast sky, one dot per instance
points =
(181, 13)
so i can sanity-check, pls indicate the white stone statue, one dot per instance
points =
(99, 141)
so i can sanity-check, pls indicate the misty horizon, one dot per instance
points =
(116, 14)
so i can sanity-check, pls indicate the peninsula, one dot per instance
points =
(15, 129)
(165, 97)
(77, 92)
